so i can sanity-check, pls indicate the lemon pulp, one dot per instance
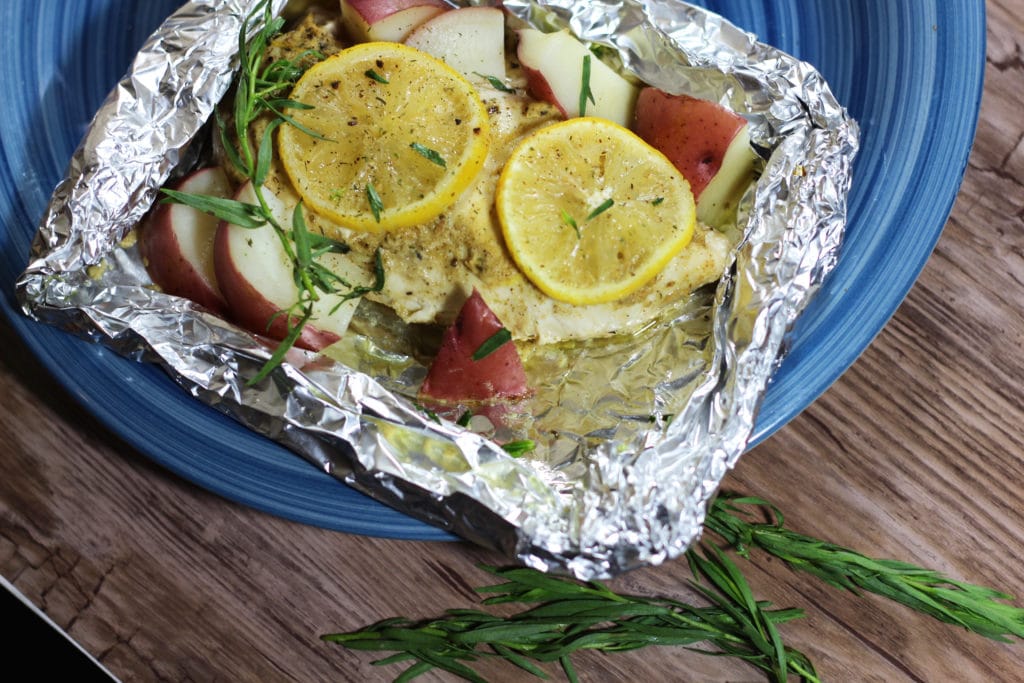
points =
(590, 212)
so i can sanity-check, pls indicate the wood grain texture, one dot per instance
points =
(915, 453)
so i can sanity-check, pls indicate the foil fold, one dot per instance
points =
(634, 435)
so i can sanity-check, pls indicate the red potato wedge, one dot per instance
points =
(709, 144)
(720, 199)
(471, 40)
(553, 64)
(455, 377)
(255, 275)
(176, 242)
(390, 20)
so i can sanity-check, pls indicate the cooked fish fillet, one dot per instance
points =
(431, 269)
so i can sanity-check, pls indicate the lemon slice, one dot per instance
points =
(400, 135)
(590, 212)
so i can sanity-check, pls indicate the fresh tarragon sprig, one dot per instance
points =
(260, 90)
(570, 616)
(975, 608)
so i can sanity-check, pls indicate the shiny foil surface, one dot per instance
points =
(633, 434)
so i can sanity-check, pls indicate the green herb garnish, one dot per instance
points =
(495, 82)
(322, 244)
(429, 154)
(362, 290)
(567, 219)
(374, 76)
(492, 344)
(433, 416)
(519, 448)
(260, 90)
(658, 201)
(585, 92)
(975, 608)
(565, 616)
(604, 206)
(231, 210)
(376, 204)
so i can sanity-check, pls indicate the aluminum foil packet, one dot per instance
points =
(633, 434)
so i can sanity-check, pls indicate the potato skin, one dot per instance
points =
(693, 133)
(455, 377)
(166, 257)
(247, 278)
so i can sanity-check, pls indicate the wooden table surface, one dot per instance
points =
(914, 454)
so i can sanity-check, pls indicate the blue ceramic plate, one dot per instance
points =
(910, 73)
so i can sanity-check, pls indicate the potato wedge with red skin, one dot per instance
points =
(176, 242)
(455, 377)
(553, 65)
(255, 275)
(471, 40)
(709, 144)
(389, 20)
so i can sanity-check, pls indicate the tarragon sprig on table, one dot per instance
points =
(975, 608)
(570, 616)
(261, 90)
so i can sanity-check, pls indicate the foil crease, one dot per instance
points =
(634, 435)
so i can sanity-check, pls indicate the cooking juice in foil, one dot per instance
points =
(632, 433)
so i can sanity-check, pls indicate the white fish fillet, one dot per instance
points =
(432, 268)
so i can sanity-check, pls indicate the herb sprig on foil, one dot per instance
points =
(261, 90)
(567, 616)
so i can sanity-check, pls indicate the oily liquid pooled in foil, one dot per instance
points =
(619, 485)
(640, 373)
